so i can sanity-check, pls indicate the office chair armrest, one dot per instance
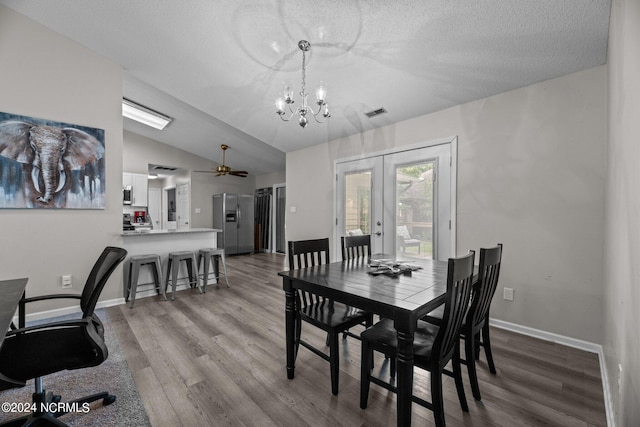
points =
(65, 323)
(52, 296)
(23, 302)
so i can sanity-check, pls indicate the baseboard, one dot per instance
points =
(67, 310)
(569, 342)
(101, 304)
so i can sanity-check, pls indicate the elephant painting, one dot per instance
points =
(50, 166)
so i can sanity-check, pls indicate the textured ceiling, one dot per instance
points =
(217, 66)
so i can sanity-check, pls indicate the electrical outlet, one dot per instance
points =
(507, 294)
(66, 281)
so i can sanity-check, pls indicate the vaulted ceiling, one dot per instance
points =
(217, 66)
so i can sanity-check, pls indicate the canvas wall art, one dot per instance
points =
(48, 164)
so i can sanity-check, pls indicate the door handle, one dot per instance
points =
(378, 233)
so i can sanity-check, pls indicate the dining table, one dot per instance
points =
(397, 289)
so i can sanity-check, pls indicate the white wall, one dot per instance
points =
(45, 75)
(622, 265)
(531, 174)
(139, 151)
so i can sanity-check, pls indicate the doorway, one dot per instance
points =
(280, 197)
(404, 198)
(169, 208)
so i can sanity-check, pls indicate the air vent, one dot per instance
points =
(377, 112)
(163, 168)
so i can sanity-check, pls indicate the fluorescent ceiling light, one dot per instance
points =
(144, 115)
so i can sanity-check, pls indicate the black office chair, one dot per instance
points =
(475, 329)
(433, 346)
(36, 351)
(321, 312)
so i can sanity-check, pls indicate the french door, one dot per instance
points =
(404, 199)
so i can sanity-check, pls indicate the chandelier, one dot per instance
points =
(303, 110)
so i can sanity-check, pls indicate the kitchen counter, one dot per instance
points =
(147, 232)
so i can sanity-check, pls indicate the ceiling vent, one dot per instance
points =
(163, 168)
(377, 112)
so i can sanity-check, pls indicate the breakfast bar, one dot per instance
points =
(162, 242)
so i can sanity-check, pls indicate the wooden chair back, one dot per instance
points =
(459, 283)
(485, 287)
(356, 246)
(308, 253)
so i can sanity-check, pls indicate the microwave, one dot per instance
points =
(126, 195)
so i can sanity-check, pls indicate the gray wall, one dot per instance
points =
(45, 75)
(622, 248)
(531, 175)
(269, 180)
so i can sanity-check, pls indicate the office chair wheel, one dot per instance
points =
(108, 400)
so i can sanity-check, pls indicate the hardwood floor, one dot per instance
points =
(218, 359)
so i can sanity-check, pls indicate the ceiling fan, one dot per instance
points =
(226, 170)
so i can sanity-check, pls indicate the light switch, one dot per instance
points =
(293, 209)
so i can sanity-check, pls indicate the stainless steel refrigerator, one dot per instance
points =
(233, 214)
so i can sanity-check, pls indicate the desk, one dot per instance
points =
(11, 292)
(404, 298)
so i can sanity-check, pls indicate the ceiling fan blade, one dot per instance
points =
(211, 171)
(242, 174)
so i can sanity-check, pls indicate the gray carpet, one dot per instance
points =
(113, 376)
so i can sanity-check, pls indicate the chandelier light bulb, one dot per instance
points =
(280, 105)
(321, 93)
(326, 114)
(303, 108)
(288, 94)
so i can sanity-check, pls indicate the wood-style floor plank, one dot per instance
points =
(218, 359)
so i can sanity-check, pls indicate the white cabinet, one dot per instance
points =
(139, 185)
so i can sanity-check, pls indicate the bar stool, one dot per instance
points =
(136, 262)
(173, 265)
(212, 254)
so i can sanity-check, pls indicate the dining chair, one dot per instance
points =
(356, 246)
(433, 347)
(353, 247)
(475, 329)
(321, 312)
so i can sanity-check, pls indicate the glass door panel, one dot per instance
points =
(414, 210)
(418, 185)
(357, 203)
